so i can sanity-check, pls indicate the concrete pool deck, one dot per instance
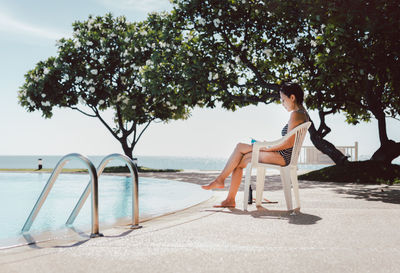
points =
(341, 228)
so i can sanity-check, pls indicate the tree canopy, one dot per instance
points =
(110, 63)
(337, 51)
(257, 40)
(344, 54)
(357, 58)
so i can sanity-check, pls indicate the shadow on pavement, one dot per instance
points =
(272, 183)
(297, 219)
(385, 195)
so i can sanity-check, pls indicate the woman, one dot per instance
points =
(292, 99)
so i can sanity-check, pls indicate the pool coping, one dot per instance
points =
(71, 233)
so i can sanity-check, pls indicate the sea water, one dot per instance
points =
(156, 162)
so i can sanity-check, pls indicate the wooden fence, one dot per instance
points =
(310, 154)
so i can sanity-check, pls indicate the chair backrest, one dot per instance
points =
(300, 134)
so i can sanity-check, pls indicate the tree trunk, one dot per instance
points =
(325, 146)
(387, 152)
(389, 149)
(128, 151)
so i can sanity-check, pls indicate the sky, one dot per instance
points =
(28, 34)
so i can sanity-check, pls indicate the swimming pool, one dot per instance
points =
(19, 192)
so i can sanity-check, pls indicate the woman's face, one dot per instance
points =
(288, 102)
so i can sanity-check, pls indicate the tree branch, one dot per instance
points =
(143, 129)
(120, 123)
(132, 129)
(323, 129)
(252, 67)
(105, 124)
(86, 114)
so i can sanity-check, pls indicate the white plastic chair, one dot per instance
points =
(288, 173)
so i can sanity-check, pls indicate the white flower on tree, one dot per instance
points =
(88, 82)
(210, 76)
(46, 71)
(216, 22)
(202, 21)
(89, 43)
(313, 43)
(149, 62)
(91, 89)
(296, 60)
(268, 52)
(370, 77)
(94, 71)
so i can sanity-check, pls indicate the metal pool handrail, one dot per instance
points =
(93, 184)
(135, 187)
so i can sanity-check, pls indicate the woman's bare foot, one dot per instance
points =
(216, 184)
(226, 204)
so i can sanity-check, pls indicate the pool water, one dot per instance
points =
(19, 192)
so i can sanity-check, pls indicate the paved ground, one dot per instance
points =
(341, 228)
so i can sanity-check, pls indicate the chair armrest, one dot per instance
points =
(261, 144)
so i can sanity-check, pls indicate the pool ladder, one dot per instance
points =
(92, 187)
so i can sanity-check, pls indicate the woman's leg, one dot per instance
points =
(265, 157)
(240, 150)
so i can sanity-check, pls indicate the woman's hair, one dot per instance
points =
(290, 88)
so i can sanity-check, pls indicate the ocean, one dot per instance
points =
(156, 162)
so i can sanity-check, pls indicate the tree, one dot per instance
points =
(110, 63)
(256, 40)
(358, 50)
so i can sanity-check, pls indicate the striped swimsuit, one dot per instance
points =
(287, 153)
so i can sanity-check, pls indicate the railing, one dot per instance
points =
(135, 186)
(310, 154)
(92, 187)
(93, 184)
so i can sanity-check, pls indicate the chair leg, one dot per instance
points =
(247, 179)
(260, 185)
(286, 185)
(295, 183)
